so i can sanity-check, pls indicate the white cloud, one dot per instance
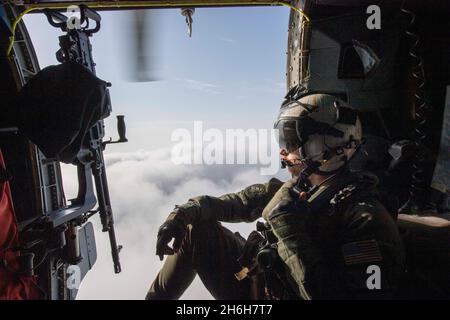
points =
(144, 187)
(201, 86)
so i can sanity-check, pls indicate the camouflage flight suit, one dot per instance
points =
(326, 251)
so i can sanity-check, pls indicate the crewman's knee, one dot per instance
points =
(153, 296)
(203, 229)
(205, 233)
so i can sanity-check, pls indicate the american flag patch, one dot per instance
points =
(361, 252)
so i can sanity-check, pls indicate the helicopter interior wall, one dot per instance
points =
(433, 32)
(330, 40)
(385, 96)
(428, 256)
(16, 149)
(435, 37)
(437, 5)
(388, 88)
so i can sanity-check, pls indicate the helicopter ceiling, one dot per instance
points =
(127, 4)
(136, 4)
(393, 3)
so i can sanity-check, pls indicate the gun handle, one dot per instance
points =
(121, 128)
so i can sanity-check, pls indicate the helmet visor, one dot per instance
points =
(288, 138)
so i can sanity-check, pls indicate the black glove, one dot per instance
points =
(172, 228)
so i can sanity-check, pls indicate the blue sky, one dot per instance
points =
(230, 74)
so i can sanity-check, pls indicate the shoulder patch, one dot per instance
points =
(364, 251)
(257, 188)
(343, 195)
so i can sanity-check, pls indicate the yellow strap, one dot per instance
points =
(14, 26)
(241, 275)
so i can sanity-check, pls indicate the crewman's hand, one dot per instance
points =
(171, 229)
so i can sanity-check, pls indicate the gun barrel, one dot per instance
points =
(115, 249)
(104, 204)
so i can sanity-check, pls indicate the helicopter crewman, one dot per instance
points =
(333, 236)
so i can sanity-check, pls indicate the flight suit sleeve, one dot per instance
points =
(367, 264)
(243, 206)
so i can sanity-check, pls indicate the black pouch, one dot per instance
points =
(58, 107)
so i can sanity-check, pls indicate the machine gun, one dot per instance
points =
(58, 116)
(75, 46)
(57, 241)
